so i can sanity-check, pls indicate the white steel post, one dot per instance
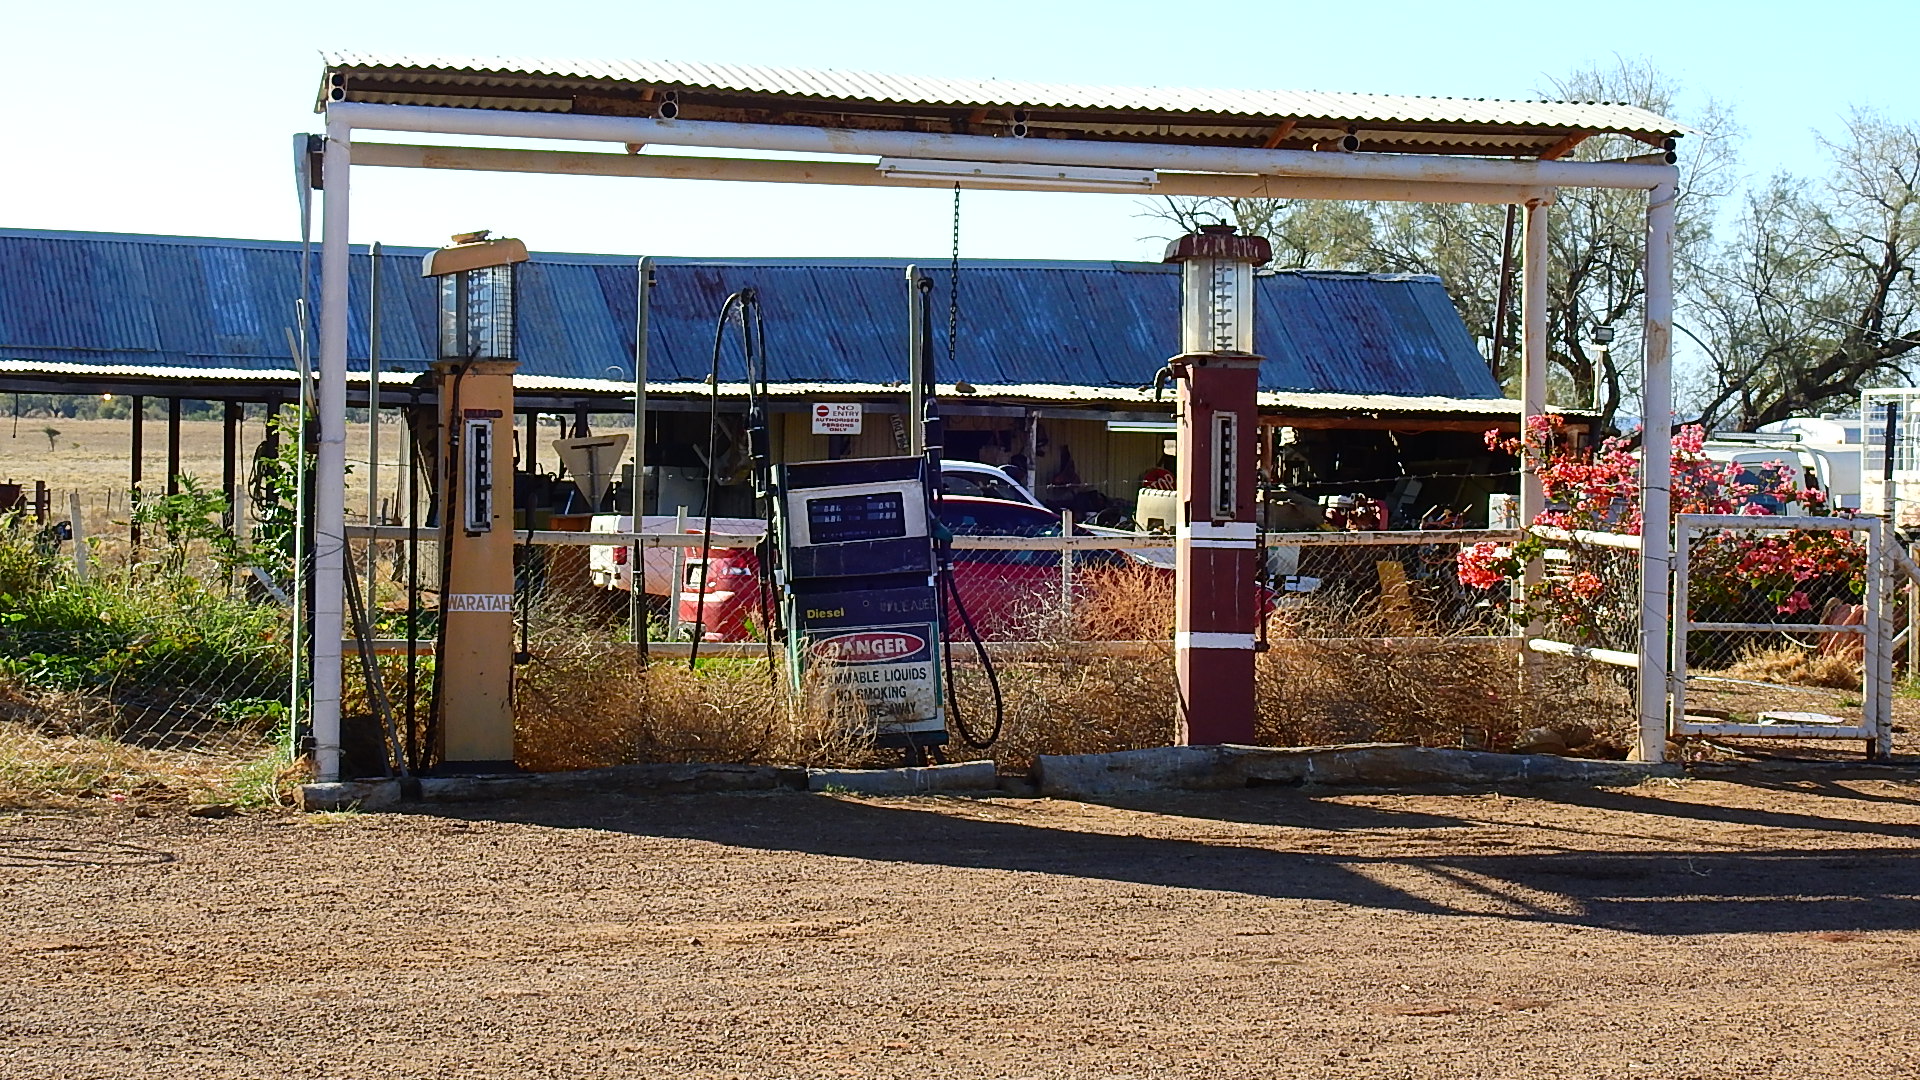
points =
(1656, 477)
(330, 463)
(1066, 565)
(1533, 348)
(1677, 668)
(636, 570)
(1533, 400)
(1877, 696)
(679, 581)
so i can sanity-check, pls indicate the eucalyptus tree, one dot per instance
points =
(1597, 250)
(1814, 297)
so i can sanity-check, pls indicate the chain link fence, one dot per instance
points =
(1581, 608)
(177, 642)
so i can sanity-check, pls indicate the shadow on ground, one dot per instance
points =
(1456, 865)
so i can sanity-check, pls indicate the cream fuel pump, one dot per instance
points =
(471, 725)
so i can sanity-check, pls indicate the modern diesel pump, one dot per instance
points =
(863, 609)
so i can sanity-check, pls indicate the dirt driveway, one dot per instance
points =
(1678, 929)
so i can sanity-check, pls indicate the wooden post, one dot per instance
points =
(136, 464)
(173, 446)
(230, 464)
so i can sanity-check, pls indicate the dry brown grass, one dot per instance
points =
(55, 712)
(1431, 691)
(584, 710)
(1788, 664)
(42, 768)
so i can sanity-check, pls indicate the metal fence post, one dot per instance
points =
(1879, 699)
(1066, 564)
(1682, 620)
(679, 572)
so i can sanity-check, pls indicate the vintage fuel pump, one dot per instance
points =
(473, 672)
(1216, 595)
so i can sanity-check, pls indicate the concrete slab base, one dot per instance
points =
(635, 779)
(1385, 765)
(654, 780)
(959, 776)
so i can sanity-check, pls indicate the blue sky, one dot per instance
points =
(176, 118)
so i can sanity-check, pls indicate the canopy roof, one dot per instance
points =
(865, 101)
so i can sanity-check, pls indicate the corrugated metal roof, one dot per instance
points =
(110, 303)
(633, 87)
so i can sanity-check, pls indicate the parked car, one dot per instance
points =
(979, 480)
(999, 588)
(610, 568)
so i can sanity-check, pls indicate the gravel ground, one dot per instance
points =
(1760, 928)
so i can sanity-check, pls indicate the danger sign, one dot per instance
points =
(836, 418)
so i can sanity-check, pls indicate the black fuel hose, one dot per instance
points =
(952, 592)
(753, 341)
(713, 454)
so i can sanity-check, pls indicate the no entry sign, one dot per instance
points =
(836, 418)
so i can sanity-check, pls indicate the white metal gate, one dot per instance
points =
(1874, 629)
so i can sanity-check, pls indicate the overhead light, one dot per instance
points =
(1142, 427)
(1043, 176)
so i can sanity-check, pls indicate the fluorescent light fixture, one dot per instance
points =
(1142, 427)
(1040, 176)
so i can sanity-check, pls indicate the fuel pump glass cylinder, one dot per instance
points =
(1216, 313)
(476, 314)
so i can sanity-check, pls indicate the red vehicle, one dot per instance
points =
(1001, 589)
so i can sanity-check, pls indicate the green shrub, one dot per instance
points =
(142, 639)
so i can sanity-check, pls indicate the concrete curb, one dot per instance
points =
(959, 776)
(1385, 765)
(647, 779)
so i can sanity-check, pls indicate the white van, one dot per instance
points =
(1831, 468)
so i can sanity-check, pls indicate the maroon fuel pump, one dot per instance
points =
(1217, 607)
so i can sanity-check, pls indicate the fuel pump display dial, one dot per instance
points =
(880, 515)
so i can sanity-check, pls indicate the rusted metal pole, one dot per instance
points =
(1505, 301)
(230, 463)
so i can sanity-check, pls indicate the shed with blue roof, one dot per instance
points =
(1058, 355)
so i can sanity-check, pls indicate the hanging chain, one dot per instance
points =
(953, 286)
